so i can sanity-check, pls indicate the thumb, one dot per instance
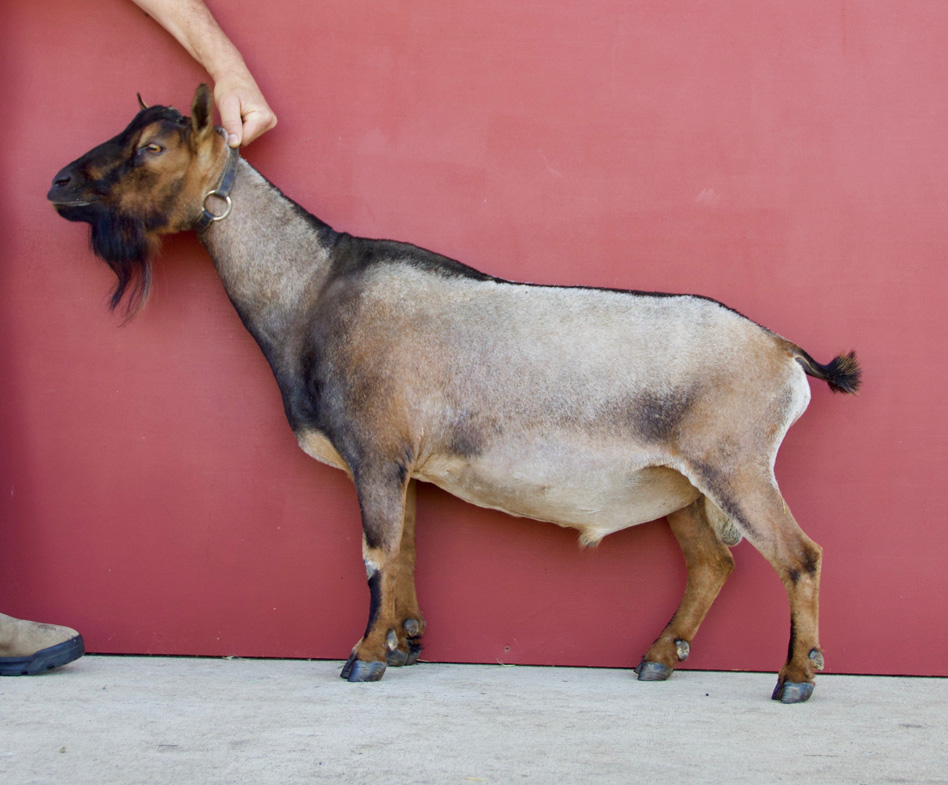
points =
(230, 118)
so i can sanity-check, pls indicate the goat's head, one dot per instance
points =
(149, 180)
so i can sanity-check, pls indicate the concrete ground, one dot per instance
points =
(138, 720)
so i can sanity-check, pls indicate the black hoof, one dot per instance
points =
(356, 670)
(399, 658)
(792, 692)
(396, 659)
(366, 671)
(652, 671)
(347, 668)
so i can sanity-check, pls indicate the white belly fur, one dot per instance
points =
(595, 498)
(597, 501)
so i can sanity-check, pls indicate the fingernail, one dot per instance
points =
(233, 140)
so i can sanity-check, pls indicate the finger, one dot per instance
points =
(257, 123)
(229, 108)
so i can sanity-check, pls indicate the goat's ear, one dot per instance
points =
(202, 114)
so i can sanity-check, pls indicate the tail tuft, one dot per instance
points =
(842, 373)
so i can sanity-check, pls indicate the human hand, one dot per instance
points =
(245, 113)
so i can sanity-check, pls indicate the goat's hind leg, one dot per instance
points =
(709, 563)
(395, 624)
(754, 504)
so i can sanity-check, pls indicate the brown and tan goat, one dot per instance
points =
(590, 408)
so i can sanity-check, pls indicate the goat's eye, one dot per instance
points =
(152, 149)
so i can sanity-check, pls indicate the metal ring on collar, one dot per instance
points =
(227, 199)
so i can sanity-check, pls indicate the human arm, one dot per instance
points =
(245, 113)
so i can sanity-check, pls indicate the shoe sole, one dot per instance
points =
(44, 659)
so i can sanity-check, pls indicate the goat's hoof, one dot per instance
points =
(399, 658)
(393, 655)
(366, 671)
(356, 670)
(398, 655)
(792, 691)
(652, 671)
(396, 659)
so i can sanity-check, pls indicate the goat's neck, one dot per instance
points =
(269, 253)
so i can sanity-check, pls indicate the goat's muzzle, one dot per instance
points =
(65, 197)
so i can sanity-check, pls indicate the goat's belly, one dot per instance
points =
(597, 502)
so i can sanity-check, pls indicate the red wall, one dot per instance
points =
(789, 160)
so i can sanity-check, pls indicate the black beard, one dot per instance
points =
(122, 242)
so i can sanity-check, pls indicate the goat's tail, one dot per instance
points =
(842, 373)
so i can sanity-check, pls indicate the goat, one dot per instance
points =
(594, 409)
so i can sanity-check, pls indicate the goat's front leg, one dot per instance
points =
(409, 623)
(387, 500)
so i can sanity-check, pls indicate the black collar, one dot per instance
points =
(222, 191)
